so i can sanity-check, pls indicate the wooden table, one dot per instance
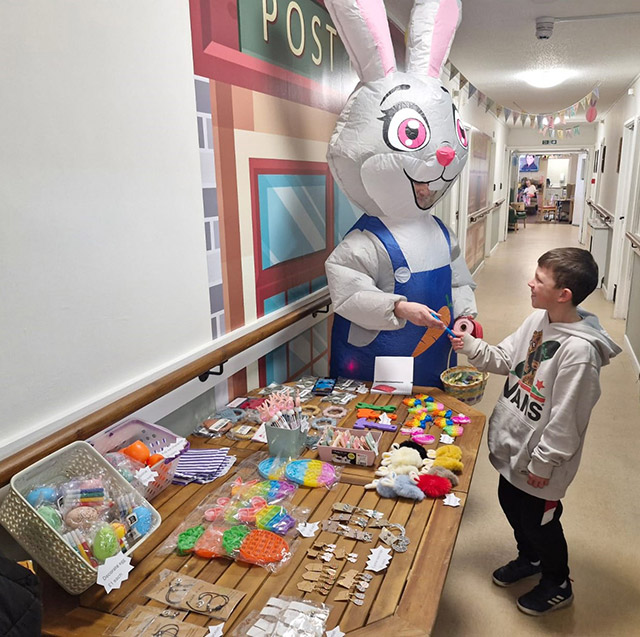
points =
(403, 599)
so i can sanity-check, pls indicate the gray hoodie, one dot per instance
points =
(540, 420)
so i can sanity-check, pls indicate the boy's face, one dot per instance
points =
(544, 293)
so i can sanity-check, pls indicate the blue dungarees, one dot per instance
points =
(432, 288)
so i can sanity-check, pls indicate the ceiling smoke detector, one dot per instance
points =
(544, 28)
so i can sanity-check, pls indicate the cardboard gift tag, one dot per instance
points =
(194, 595)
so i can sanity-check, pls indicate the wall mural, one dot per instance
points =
(271, 77)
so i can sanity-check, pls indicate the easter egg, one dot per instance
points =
(50, 516)
(138, 451)
(42, 494)
(591, 114)
(144, 519)
(119, 529)
(105, 543)
(154, 459)
(81, 517)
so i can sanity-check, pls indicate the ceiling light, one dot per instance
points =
(546, 78)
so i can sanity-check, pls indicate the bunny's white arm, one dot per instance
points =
(361, 282)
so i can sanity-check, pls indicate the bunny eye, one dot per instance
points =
(460, 131)
(405, 127)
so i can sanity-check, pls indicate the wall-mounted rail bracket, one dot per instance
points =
(325, 310)
(216, 371)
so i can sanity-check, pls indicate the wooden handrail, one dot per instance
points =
(635, 241)
(121, 408)
(483, 212)
(605, 215)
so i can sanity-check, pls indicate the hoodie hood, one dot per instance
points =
(590, 330)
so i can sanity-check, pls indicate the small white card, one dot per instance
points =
(378, 559)
(146, 476)
(236, 402)
(215, 631)
(308, 529)
(114, 571)
(452, 500)
(393, 375)
(260, 435)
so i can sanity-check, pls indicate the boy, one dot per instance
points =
(537, 429)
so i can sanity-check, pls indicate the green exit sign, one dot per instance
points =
(549, 141)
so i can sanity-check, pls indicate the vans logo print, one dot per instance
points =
(526, 393)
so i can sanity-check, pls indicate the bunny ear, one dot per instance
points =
(364, 30)
(432, 26)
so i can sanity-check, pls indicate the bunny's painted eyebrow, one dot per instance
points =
(400, 87)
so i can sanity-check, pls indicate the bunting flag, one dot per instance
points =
(472, 90)
(561, 116)
(560, 133)
(507, 113)
(498, 110)
(596, 92)
(532, 121)
(515, 116)
(568, 133)
(576, 130)
(552, 133)
(523, 118)
(481, 97)
(540, 119)
(453, 72)
(489, 103)
(463, 81)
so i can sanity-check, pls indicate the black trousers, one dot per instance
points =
(537, 529)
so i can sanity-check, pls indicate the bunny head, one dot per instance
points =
(399, 142)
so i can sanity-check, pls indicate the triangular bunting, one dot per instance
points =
(596, 92)
(453, 71)
(507, 113)
(481, 97)
(560, 133)
(463, 81)
(576, 130)
(488, 104)
(523, 118)
(568, 133)
(515, 116)
(472, 90)
(498, 110)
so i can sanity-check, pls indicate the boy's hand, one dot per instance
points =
(418, 314)
(537, 481)
(458, 342)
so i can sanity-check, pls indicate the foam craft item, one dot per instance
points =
(398, 146)
(311, 473)
(209, 544)
(144, 522)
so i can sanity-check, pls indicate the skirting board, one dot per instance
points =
(632, 355)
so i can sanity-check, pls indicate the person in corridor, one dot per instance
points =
(537, 428)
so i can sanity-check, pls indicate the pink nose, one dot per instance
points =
(445, 155)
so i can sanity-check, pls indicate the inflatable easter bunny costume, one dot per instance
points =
(397, 147)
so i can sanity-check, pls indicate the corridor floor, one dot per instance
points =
(601, 518)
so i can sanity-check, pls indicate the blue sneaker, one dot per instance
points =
(514, 571)
(545, 597)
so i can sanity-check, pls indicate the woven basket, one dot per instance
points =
(44, 544)
(155, 437)
(469, 394)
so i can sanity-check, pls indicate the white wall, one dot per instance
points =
(558, 171)
(103, 275)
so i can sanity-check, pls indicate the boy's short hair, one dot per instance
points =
(573, 268)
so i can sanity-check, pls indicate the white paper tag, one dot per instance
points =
(236, 402)
(114, 571)
(145, 476)
(260, 435)
(378, 559)
(308, 529)
(243, 430)
(219, 424)
(172, 450)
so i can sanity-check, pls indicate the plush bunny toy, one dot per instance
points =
(397, 147)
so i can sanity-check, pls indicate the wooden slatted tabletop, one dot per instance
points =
(403, 598)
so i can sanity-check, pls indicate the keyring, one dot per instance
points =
(334, 411)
